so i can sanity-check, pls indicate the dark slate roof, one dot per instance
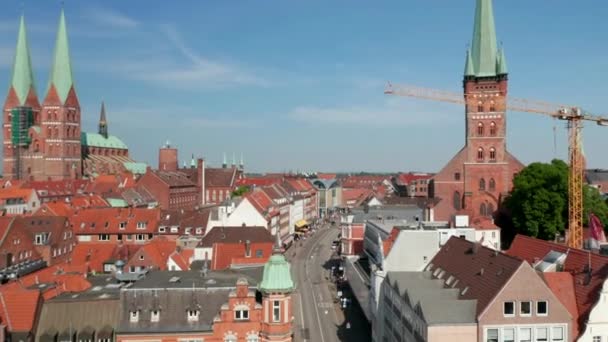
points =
(439, 305)
(173, 293)
(173, 305)
(79, 315)
(481, 271)
(235, 235)
(596, 176)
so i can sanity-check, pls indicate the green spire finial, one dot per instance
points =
(277, 274)
(23, 75)
(61, 69)
(483, 49)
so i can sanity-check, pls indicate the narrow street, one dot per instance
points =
(318, 316)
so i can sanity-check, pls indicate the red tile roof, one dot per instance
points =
(356, 197)
(5, 223)
(12, 192)
(562, 285)
(158, 251)
(390, 241)
(183, 258)
(465, 261)
(261, 202)
(56, 209)
(407, 178)
(57, 188)
(326, 176)
(18, 308)
(220, 177)
(235, 235)
(94, 255)
(108, 220)
(258, 181)
(89, 201)
(587, 290)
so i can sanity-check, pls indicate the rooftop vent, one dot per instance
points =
(174, 280)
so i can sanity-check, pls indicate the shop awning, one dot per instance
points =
(301, 223)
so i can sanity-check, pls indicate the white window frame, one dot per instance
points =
(142, 225)
(276, 311)
(161, 229)
(122, 225)
(504, 312)
(521, 313)
(241, 314)
(487, 334)
(547, 329)
(546, 308)
(137, 237)
(553, 335)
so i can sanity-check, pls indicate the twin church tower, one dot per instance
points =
(42, 141)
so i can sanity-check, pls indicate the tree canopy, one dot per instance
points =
(240, 191)
(538, 204)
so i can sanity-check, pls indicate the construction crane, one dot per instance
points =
(572, 114)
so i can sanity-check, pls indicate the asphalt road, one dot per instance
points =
(317, 317)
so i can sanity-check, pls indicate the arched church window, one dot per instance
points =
(493, 128)
(492, 154)
(482, 184)
(492, 106)
(480, 106)
(492, 184)
(457, 201)
(480, 154)
(480, 129)
(483, 210)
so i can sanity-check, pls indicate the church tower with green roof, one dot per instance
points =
(475, 181)
(61, 114)
(21, 114)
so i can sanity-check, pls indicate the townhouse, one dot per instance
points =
(112, 225)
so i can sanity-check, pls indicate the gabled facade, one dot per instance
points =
(481, 174)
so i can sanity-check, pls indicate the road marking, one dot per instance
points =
(301, 314)
(326, 305)
(314, 299)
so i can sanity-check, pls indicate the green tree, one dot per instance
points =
(538, 205)
(240, 191)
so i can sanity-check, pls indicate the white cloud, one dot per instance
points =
(389, 113)
(111, 18)
(196, 73)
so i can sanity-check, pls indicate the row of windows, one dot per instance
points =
(481, 129)
(481, 155)
(525, 308)
(217, 196)
(526, 334)
(107, 152)
(70, 132)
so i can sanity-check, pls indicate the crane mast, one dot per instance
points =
(575, 117)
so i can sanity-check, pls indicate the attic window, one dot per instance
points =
(133, 316)
(122, 225)
(141, 257)
(193, 315)
(154, 316)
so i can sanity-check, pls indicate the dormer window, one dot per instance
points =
(142, 225)
(122, 225)
(134, 316)
(193, 315)
(154, 316)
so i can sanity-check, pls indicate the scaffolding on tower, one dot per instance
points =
(22, 118)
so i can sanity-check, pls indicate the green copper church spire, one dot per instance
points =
(468, 68)
(61, 69)
(501, 68)
(484, 54)
(23, 75)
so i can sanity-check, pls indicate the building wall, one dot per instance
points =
(245, 213)
(296, 213)
(490, 237)
(412, 250)
(455, 333)
(17, 247)
(524, 285)
(352, 238)
(167, 159)
(597, 325)
(127, 238)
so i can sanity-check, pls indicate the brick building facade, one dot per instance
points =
(481, 174)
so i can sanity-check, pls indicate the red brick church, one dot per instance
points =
(476, 180)
(45, 141)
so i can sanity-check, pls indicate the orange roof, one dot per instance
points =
(12, 192)
(183, 258)
(5, 223)
(18, 308)
(326, 176)
(93, 255)
(159, 251)
(108, 220)
(56, 208)
(390, 241)
(90, 201)
(562, 286)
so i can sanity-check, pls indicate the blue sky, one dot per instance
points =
(298, 85)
